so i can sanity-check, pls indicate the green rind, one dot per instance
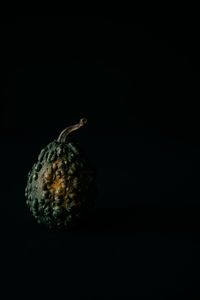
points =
(43, 206)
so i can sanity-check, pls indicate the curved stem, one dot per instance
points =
(63, 135)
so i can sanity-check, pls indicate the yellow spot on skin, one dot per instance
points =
(57, 187)
(60, 185)
(56, 184)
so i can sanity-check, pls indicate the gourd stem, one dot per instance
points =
(63, 135)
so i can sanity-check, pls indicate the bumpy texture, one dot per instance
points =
(60, 188)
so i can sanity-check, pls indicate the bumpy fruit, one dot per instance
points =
(61, 185)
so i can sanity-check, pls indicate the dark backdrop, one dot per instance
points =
(136, 79)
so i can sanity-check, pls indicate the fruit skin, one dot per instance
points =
(61, 189)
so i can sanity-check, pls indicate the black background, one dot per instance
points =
(136, 78)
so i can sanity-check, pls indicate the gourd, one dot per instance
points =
(60, 189)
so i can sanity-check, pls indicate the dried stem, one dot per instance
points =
(63, 135)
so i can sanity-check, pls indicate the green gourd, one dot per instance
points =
(61, 190)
